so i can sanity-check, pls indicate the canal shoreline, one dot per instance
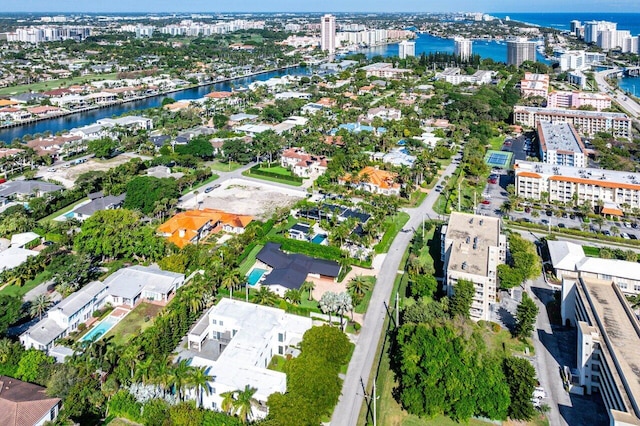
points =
(141, 98)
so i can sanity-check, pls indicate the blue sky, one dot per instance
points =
(610, 6)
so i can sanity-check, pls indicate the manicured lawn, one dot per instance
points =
(134, 323)
(271, 179)
(43, 86)
(393, 225)
(13, 290)
(277, 170)
(591, 251)
(250, 260)
(62, 211)
(277, 363)
(219, 166)
(496, 142)
(361, 308)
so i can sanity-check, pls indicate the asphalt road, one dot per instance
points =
(621, 98)
(350, 403)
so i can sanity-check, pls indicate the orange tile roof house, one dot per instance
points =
(25, 404)
(374, 180)
(194, 225)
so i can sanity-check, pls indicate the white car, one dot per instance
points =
(51, 169)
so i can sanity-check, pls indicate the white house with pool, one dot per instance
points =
(125, 287)
(236, 341)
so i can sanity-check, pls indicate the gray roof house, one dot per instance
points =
(129, 285)
(108, 202)
(290, 271)
(26, 188)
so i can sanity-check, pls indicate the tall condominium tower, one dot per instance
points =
(520, 50)
(328, 33)
(592, 28)
(463, 48)
(406, 48)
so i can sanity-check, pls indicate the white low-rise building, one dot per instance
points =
(236, 341)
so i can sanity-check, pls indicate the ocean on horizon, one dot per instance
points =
(562, 21)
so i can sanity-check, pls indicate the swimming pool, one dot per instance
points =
(255, 275)
(69, 215)
(319, 239)
(100, 329)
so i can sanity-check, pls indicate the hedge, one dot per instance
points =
(310, 249)
(255, 170)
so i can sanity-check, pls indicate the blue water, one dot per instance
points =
(69, 122)
(631, 85)
(319, 239)
(562, 21)
(69, 215)
(100, 329)
(426, 43)
(255, 275)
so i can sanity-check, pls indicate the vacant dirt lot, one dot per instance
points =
(69, 175)
(251, 198)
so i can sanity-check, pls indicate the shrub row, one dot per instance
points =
(255, 170)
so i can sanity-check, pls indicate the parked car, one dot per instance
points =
(549, 213)
(633, 236)
(51, 169)
(527, 209)
(485, 202)
(562, 225)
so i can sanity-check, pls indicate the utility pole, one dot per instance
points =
(375, 413)
(398, 308)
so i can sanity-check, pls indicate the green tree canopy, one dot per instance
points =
(10, 311)
(462, 298)
(103, 147)
(144, 191)
(526, 315)
(521, 377)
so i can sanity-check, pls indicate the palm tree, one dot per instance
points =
(293, 296)
(6, 347)
(244, 403)
(144, 370)
(344, 304)
(359, 285)
(39, 305)
(264, 296)
(199, 379)
(228, 399)
(328, 304)
(179, 376)
(230, 281)
(308, 286)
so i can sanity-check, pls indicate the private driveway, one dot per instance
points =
(350, 403)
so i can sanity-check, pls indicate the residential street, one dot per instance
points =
(364, 355)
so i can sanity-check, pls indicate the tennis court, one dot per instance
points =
(500, 159)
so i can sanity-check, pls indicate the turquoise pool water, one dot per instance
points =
(319, 239)
(69, 215)
(100, 329)
(255, 275)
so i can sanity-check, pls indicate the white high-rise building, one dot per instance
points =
(463, 48)
(406, 48)
(520, 50)
(592, 28)
(576, 28)
(328, 34)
